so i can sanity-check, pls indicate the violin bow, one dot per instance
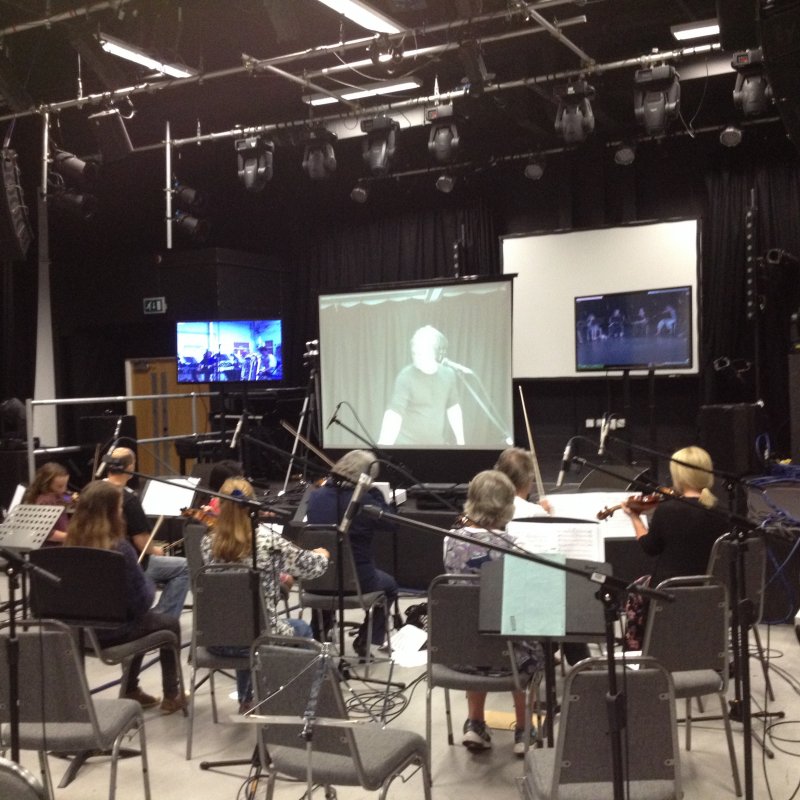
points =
(305, 441)
(536, 471)
(152, 536)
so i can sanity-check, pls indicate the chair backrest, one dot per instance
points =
(287, 678)
(723, 555)
(53, 686)
(690, 633)
(228, 607)
(453, 637)
(92, 591)
(313, 536)
(16, 783)
(650, 746)
(193, 533)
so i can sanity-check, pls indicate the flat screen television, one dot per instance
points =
(420, 367)
(635, 330)
(215, 351)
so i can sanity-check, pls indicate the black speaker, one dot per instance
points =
(730, 433)
(15, 229)
(737, 24)
(780, 44)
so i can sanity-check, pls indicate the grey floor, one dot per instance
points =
(458, 775)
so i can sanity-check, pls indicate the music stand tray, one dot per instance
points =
(29, 526)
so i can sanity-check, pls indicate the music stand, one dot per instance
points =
(28, 527)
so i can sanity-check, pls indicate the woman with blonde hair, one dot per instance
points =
(681, 531)
(230, 541)
(97, 522)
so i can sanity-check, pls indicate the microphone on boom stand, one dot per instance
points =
(566, 460)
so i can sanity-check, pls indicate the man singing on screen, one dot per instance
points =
(424, 409)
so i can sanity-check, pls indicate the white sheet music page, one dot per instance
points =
(571, 539)
(586, 505)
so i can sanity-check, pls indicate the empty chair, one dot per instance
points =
(580, 767)
(56, 710)
(228, 611)
(454, 641)
(690, 638)
(289, 676)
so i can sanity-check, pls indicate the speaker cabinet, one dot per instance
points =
(15, 229)
(729, 433)
(780, 43)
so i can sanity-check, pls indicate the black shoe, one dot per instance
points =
(360, 647)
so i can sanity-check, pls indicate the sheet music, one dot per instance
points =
(570, 539)
(161, 499)
(585, 505)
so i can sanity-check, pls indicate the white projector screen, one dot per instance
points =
(554, 268)
(433, 358)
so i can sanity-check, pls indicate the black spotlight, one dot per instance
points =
(379, 147)
(254, 156)
(196, 228)
(443, 142)
(656, 97)
(446, 182)
(360, 192)
(74, 169)
(575, 118)
(75, 204)
(319, 157)
(189, 199)
(752, 93)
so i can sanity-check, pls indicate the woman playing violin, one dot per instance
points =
(681, 531)
(49, 488)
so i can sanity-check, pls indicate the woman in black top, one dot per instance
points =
(682, 531)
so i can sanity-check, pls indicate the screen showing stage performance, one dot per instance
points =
(230, 351)
(418, 367)
(649, 329)
(552, 268)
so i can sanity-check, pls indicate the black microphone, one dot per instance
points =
(566, 460)
(364, 482)
(104, 461)
(457, 367)
(335, 413)
(237, 432)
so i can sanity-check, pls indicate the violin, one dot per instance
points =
(640, 503)
(200, 515)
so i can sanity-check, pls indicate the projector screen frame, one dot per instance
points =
(555, 266)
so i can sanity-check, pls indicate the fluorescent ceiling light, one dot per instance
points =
(695, 30)
(359, 92)
(364, 15)
(119, 48)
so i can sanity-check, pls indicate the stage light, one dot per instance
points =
(187, 198)
(534, 169)
(78, 205)
(625, 155)
(197, 229)
(695, 30)
(443, 141)
(360, 193)
(111, 134)
(656, 97)
(446, 183)
(379, 147)
(127, 51)
(574, 118)
(319, 157)
(752, 93)
(360, 92)
(72, 168)
(477, 76)
(254, 157)
(731, 136)
(364, 15)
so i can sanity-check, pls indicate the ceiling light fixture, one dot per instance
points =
(575, 118)
(319, 157)
(379, 146)
(625, 155)
(124, 50)
(360, 92)
(360, 192)
(364, 15)
(695, 30)
(254, 162)
(443, 141)
(752, 93)
(730, 136)
(656, 97)
(534, 169)
(446, 183)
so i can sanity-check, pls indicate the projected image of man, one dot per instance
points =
(424, 408)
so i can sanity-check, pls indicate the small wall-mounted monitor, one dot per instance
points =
(230, 351)
(635, 330)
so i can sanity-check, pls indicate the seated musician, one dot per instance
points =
(681, 532)
(326, 506)
(230, 541)
(49, 488)
(98, 522)
(487, 511)
(517, 464)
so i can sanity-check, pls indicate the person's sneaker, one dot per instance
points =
(246, 706)
(360, 647)
(519, 741)
(142, 698)
(169, 705)
(476, 737)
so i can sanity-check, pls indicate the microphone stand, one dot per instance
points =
(610, 593)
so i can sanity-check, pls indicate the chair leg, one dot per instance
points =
(737, 786)
(47, 778)
(764, 665)
(448, 716)
(428, 693)
(192, 689)
(145, 763)
(688, 723)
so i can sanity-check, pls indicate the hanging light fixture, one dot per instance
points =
(130, 52)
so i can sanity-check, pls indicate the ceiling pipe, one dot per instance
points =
(75, 13)
(531, 13)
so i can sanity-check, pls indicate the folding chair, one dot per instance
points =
(454, 641)
(322, 746)
(580, 767)
(56, 709)
(689, 636)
